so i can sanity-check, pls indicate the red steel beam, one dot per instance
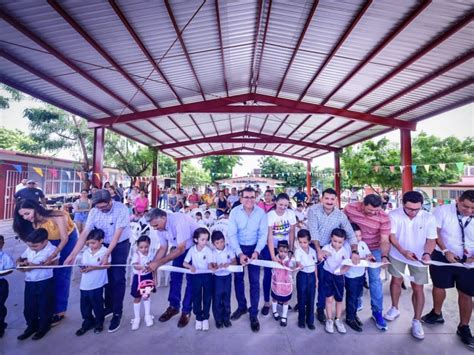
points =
(68, 18)
(133, 126)
(53, 82)
(380, 47)
(127, 136)
(298, 44)
(238, 151)
(258, 24)
(264, 39)
(333, 131)
(140, 44)
(310, 133)
(417, 55)
(183, 46)
(18, 26)
(440, 71)
(336, 47)
(352, 133)
(439, 95)
(264, 123)
(237, 137)
(406, 160)
(444, 109)
(221, 105)
(221, 44)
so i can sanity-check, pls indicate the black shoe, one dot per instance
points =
(296, 308)
(26, 334)
(56, 320)
(465, 334)
(366, 285)
(403, 286)
(320, 315)
(254, 324)
(276, 316)
(354, 325)
(359, 322)
(301, 325)
(291, 308)
(311, 327)
(2, 329)
(82, 331)
(433, 318)
(238, 313)
(227, 323)
(98, 329)
(40, 333)
(115, 323)
(265, 310)
(283, 321)
(219, 325)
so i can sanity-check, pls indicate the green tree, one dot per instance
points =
(167, 165)
(195, 176)
(7, 95)
(14, 139)
(220, 166)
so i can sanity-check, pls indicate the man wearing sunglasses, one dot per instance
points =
(413, 238)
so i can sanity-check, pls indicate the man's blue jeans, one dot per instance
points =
(375, 284)
(176, 281)
(254, 280)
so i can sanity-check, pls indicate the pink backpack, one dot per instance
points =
(282, 281)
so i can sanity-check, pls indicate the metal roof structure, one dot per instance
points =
(289, 78)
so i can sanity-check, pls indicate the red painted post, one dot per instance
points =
(154, 180)
(406, 158)
(337, 176)
(178, 174)
(308, 177)
(98, 156)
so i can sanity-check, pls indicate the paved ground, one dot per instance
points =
(166, 338)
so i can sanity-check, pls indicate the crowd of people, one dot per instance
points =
(331, 253)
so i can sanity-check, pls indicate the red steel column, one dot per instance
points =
(178, 174)
(406, 158)
(308, 178)
(154, 179)
(98, 156)
(337, 176)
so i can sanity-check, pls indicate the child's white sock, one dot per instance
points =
(284, 311)
(136, 310)
(274, 307)
(147, 306)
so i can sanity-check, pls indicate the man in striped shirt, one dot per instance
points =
(375, 227)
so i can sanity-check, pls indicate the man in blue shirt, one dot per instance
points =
(300, 196)
(247, 234)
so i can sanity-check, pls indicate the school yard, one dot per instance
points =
(166, 338)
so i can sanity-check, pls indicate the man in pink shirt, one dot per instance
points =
(375, 227)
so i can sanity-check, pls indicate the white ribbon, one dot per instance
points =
(364, 263)
(270, 264)
(231, 268)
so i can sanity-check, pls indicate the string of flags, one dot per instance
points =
(442, 166)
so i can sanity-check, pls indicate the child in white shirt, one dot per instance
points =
(93, 280)
(354, 280)
(222, 257)
(143, 281)
(39, 285)
(198, 258)
(306, 259)
(333, 286)
(6, 263)
(208, 221)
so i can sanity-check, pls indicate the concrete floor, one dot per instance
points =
(166, 338)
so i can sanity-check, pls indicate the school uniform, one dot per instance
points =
(222, 285)
(6, 263)
(39, 290)
(306, 285)
(92, 289)
(354, 280)
(201, 283)
(334, 284)
(140, 275)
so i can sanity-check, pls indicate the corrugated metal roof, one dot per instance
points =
(316, 63)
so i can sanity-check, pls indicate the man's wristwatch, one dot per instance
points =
(355, 252)
(444, 251)
(384, 256)
(426, 253)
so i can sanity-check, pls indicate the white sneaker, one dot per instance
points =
(149, 320)
(417, 329)
(340, 326)
(205, 324)
(198, 325)
(135, 323)
(329, 327)
(392, 313)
